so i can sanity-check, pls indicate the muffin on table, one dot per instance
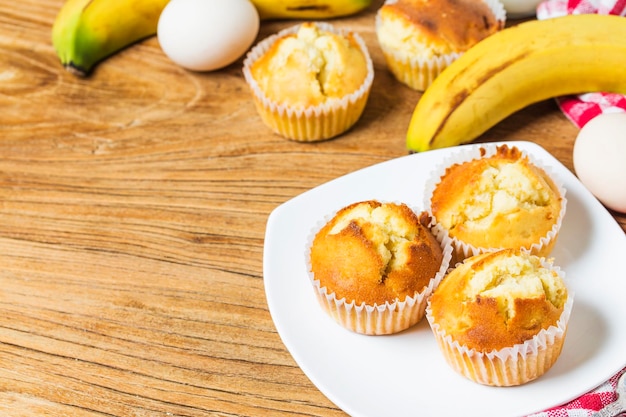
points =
(500, 318)
(495, 197)
(310, 82)
(420, 38)
(373, 265)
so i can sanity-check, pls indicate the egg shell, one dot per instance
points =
(600, 159)
(205, 35)
(518, 9)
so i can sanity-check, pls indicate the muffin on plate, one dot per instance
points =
(495, 197)
(420, 38)
(500, 318)
(310, 82)
(373, 265)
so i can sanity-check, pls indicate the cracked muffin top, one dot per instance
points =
(498, 300)
(372, 252)
(426, 28)
(310, 67)
(499, 201)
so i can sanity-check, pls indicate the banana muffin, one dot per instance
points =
(310, 82)
(496, 198)
(420, 38)
(373, 264)
(500, 318)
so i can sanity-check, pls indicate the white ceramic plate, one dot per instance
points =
(405, 374)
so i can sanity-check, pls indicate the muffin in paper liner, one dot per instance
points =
(542, 246)
(466, 307)
(314, 122)
(509, 366)
(376, 319)
(418, 72)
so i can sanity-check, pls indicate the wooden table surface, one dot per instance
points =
(133, 206)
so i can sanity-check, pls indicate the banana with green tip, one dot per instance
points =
(308, 9)
(87, 31)
(514, 68)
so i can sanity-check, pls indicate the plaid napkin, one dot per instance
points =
(587, 404)
(582, 108)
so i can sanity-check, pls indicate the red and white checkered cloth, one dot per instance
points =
(588, 403)
(582, 108)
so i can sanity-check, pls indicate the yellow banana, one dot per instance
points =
(87, 31)
(514, 68)
(308, 9)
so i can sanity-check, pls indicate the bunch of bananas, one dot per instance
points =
(87, 31)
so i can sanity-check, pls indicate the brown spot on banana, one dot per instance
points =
(315, 8)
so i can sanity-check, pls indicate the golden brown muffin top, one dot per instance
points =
(311, 66)
(375, 252)
(436, 26)
(498, 299)
(502, 201)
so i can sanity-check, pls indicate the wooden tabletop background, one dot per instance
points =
(133, 206)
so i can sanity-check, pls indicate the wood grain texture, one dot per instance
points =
(132, 215)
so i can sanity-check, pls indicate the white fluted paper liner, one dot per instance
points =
(468, 153)
(418, 72)
(313, 123)
(392, 317)
(510, 366)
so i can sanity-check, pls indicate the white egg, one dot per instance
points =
(205, 35)
(600, 159)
